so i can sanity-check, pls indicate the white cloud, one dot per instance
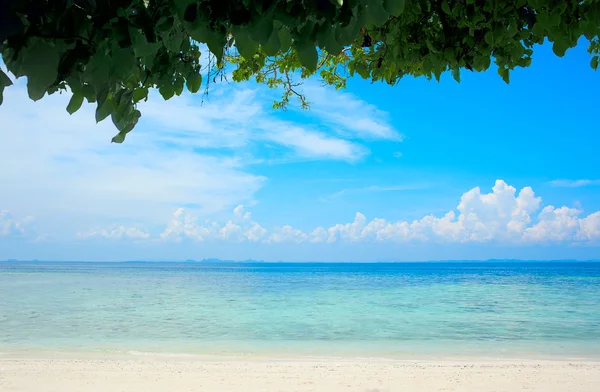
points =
(287, 234)
(574, 183)
(182, 153)
(349, 115)
(12, 226)
(117, 233)
(237, 119)
(502, 215)
(590, 227)
(240, 213)
(555, 225)
(185, 225)
(68, 166)
(312, 144)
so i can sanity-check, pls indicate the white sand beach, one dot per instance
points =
(135, 374)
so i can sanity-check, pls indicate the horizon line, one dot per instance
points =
(249, 261)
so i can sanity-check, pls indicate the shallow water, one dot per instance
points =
(479, 308)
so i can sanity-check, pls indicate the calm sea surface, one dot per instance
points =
(483, 308)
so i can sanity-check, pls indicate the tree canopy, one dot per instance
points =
(112, 52)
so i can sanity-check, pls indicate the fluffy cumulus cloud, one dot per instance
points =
(184, 225)
(502, 215)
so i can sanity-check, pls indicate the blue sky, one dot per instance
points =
(423, 170)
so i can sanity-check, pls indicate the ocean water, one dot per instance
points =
(371, 309)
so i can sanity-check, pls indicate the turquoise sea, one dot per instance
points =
(513, 309)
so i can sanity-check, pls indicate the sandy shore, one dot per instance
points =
(135, 374)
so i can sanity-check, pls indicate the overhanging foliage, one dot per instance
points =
(113, 52)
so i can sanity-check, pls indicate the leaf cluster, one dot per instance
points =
(112, 52)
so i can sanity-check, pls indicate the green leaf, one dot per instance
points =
(173, 41)
(141, 46)
(285, 39)
(4, 82)
(104, 108)
(560, 47)
(446, 7)
(394, 7)
(273, 46)
(487, 61)
(193, 82)
(41, 67)
(338, 3)
(128, 126)
(75, 103)
(122, 62)
(326, 40)
(307, 54)
(178, 85)
(167, 91)
(504, 74)
(489, 38)
(139, 94)
(261, 30)
(456, 74)
(181, 7)
(593, 63)
(119, 138)
(377, 14)
(97, 71)
(89, 93)
(243, 43)
(512, 29)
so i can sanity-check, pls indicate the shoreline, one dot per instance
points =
(132, 355)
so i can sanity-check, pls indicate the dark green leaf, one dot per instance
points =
(489, 38)
(104, 108)
(167, 91)
(139, 94)
(273, 46)
(244, 44)
(4, 82)
(446, 7)
(456, 74)
(119, 138)
(261, 30)
(75, 103)
(560, 47)
(122, 63)
(307, 54)
(326, 40)
(504, 74)
(40, 64)
(285, 39)
(394, 7)
(89, 93)
(594, 62)
(141, 46)
(178, 86)
(377, 14)
(193, 82)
